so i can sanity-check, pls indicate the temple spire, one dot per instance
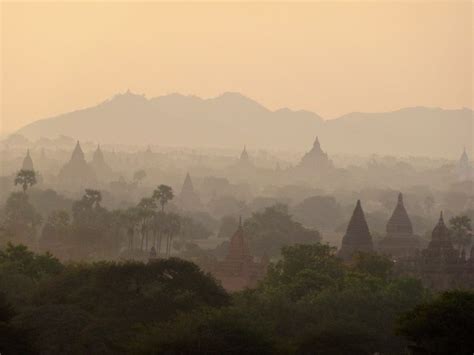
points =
(357, 237)
(27, 161)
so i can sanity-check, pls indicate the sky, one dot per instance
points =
(328, 57)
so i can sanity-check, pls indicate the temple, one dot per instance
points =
(76, 171)
(316, 160)
(357, 237)
(239, 270)
(188, 199)
(464, 167)
(440, 266)
(99, 165)
(400, 240)
(27, 162)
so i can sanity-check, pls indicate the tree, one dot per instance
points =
(442, 326)
(146, 209)
(139, 175)
(25, 178)
(268, 231)
(212, 331)
(321, 212)
(56, 232)
(461, 231)
(20, 220)
(163, 194)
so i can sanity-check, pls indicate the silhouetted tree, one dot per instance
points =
(442, 326)
(25, 178)
(461, 231)
(163, 194)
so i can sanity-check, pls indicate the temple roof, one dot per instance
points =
(238, 248)
(77, 168)
(357, 237)
(315, 158)
(440, 235)
(187, 185)
(98, 155)
(358, 230)
(399, 223)
(464, 158)
(244, 156)
(440, 244)
(27, 162)
(77, 154)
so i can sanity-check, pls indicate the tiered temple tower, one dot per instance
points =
(464, 167)
(98, 163)
(357, 237)
(440, 266)
(239, 270)
(316, 160)
(76, 171)
(27, 162)
(188, 198)
(399, 240)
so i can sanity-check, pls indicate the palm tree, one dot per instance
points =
(147, 207)
(25, 178)
(163, 194)
(173, 224)
(92, 197)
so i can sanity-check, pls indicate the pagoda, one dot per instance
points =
(357, 237)
(27, 162)
(316, 160)
(240, 270)
(99, 165)
(399, 240)
(440, 266)
(188, 198)
(76, 171)
(464, 167)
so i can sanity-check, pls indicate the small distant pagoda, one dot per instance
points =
(464, 167)
(76, 171)
(240, 270)
(440, 266)
(357, 237)
(400, 240)
(188, 198)
(316, 160)
(27, 162)
(99, 165)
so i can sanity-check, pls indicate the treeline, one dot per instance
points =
(309, 303)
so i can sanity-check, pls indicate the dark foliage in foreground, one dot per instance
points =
(310, 302)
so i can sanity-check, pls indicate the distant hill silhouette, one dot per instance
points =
(231, 120)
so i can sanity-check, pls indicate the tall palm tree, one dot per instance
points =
(147, 207)
(163, 194)
(25, 178)
(173, 225)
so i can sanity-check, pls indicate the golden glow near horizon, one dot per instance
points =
(330, 58)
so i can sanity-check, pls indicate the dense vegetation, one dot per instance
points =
(310, 302)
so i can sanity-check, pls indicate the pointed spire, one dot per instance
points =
(399, 223)
(316, 143)
(357, 237)
(27, 162)
(244, 156)
(77, 153)
(240, 221)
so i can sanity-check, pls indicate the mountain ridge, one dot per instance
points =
(230, 119)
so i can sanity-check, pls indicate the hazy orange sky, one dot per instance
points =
(331, 58)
